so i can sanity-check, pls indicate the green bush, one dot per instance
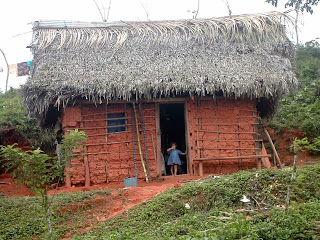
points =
(301, 109)
(13, 114)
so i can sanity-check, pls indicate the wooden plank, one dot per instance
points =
(213, 140)
(237, 148)
(158, 139)
(265, 160)
(235, 157)
(223, 109)
(273, 148)
(207, 131)
(110, 143)
(105, 119)
(226, 117)
(227, 124)
(103, 113)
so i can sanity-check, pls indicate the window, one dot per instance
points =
(118, 124)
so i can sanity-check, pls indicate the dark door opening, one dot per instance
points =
(172, 126)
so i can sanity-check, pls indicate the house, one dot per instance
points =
(202, 83)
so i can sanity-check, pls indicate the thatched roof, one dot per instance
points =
(243, 56)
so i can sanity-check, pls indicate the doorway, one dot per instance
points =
(172, 126)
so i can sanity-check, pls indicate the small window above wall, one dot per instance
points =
(118, 124)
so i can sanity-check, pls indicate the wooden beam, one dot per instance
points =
(235, 140)
(235, 157)
(103, 113)
(188, 149)
(273, 148)
(265, 160)
(158, 140)
(207, 131)
(86, 163)
(227, 124)
(257, 143)
(200, 169)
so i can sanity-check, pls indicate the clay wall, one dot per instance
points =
(222, 128)
(110, 155)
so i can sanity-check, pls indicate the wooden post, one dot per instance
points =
(200, 168)
(158, 138)
(106, 116)
(188, 150)
(139, 143)
(85, 160)
(67, 172)
(273, 148)
(236, 111)
(265, 160)
(257, 144)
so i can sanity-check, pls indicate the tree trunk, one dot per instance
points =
(293, 176)
(48, 214)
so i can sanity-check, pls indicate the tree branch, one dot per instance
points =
(5, 59)
(99, 10)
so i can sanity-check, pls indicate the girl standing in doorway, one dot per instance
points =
(174, 159)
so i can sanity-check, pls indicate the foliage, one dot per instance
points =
(302, 5)
(301, 109)
(32, 168)
(13, 114)
(70, 146)
(301, 145)
(22, 218)
(38, 170)
(215, 214)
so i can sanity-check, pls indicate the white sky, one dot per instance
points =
(15, 16)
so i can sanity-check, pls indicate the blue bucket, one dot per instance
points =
(130, 182)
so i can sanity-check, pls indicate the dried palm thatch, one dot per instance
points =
(243, 56)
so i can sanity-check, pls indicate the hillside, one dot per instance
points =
(215, 212)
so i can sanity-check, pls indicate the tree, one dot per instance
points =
(13, 114)
(301, 109)
(39, 171)
(301, 5)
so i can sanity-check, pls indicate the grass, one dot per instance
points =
(214, 211)
(22, 217)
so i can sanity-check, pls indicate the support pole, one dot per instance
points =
(139, 143)
(273, 148)
(200, 168)
(85, 161)
(145, 141)
(134, 145)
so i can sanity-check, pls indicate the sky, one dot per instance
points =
(16, 17)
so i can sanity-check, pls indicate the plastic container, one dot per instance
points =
(130, 182)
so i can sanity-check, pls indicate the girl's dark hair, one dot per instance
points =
(173, 143)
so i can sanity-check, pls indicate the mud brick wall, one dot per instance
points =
(110, 155)
(222, 128)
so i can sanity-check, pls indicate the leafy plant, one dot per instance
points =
(301, 109)
(302, 5)
(38, 170)
(13, 114)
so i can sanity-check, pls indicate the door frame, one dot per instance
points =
(158, 132)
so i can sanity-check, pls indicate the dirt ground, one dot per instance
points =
(10, 188)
